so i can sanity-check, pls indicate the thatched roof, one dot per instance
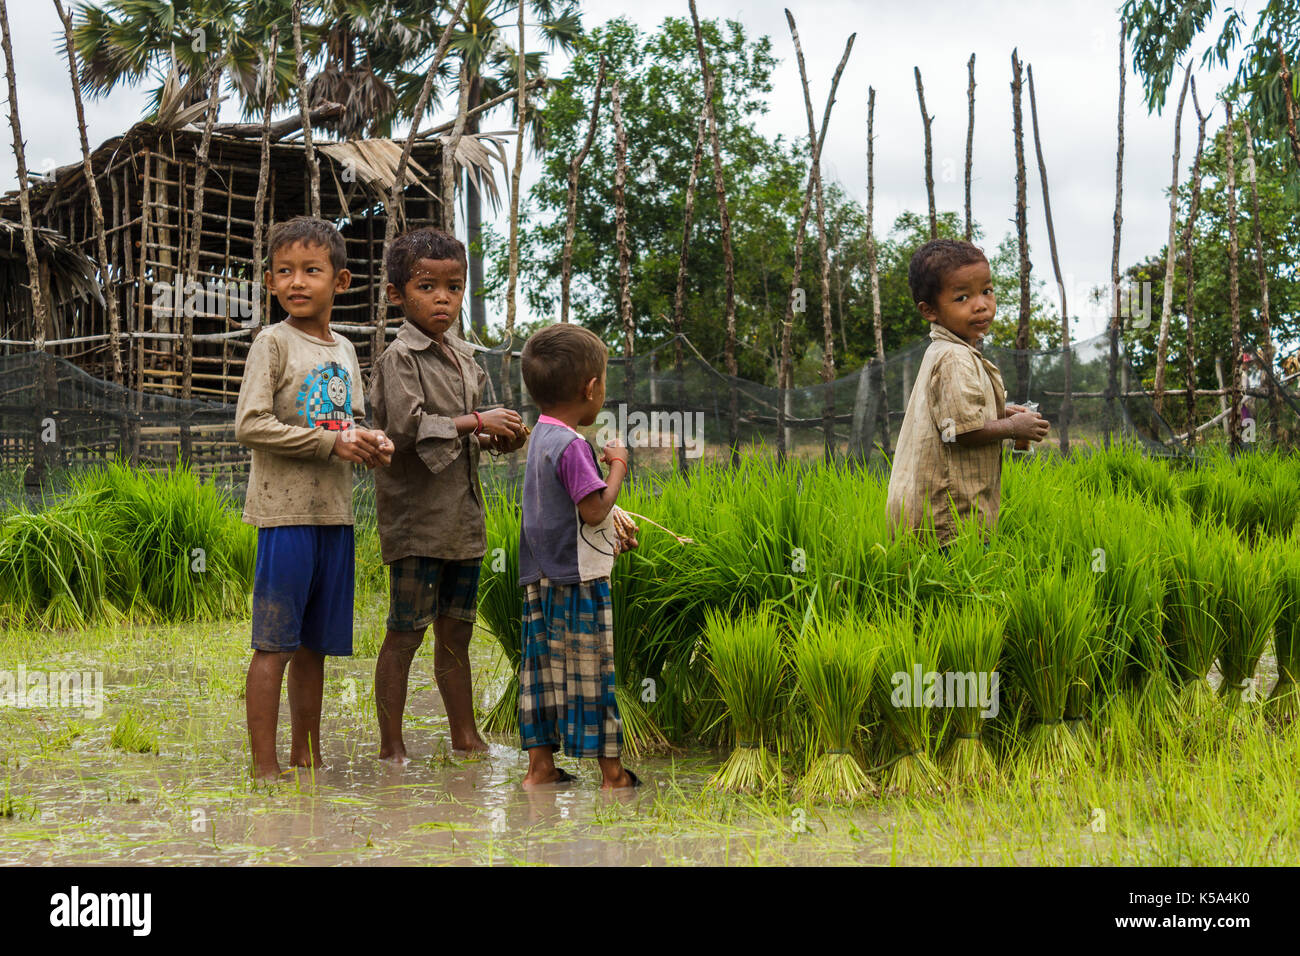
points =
(72, 274)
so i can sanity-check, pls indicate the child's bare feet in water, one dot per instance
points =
(474, 744)
(542, 769)
(394, 755)
(615, 775)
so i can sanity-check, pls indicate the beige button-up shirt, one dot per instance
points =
(957, 390)
(428, 501)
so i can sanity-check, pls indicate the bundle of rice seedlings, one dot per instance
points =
(1284, 701)
(748, 662)
(970, 639)
(52, 567)
(833, 663)
(1251, 605)
(500, 606)
(1195, 574)
(905, 694)
(1050, 626)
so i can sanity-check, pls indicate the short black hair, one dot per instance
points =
(936, 259)
(559, 360)
(408, 249)
(313, 232)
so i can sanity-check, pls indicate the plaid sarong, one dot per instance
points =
(421, 590)
(566, 675)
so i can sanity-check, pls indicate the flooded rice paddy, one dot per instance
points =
(71, 794)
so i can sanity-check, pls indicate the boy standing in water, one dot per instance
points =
(948, 465)
(300, 409)
(432, 530)
(567, 544)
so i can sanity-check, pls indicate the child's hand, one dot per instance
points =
(386, 447)
(363, 447)
(1029, 426)
(625, 530)
(503, 423)
(614, 451)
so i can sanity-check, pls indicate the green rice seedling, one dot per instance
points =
(1050, 626)
(905, 699)
(749, 662)
(833, 663)
(970, 638)
(52, 567)
(500, 606)
(1284, 700)
(134, 735)
(1252, 603)
(1194, 570)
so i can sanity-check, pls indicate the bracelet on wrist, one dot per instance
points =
(478, 429)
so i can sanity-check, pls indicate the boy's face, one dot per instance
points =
(431, 297)
(303, 280)
(965, 305)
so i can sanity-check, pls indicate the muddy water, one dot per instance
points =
(75, 799)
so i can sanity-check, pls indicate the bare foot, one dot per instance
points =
(476, 745)
(555, 776)
(266, 774)
(394, 755)
(307, 763)
(624, 781)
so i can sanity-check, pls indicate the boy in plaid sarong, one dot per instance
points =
(567, 543)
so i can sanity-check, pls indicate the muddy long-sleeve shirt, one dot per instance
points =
(298, 396)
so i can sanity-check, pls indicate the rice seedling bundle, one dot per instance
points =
(1252, 603)
(1194, 569)
(749, 663)
(500, 606)
(1284, 700)
(1051, 627)
(970, 638)
(905, 694)
(833, 663)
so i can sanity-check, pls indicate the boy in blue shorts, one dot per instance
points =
(567, 544)
(425, 391)
(300, 411)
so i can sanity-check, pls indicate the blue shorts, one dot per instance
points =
(302, 589)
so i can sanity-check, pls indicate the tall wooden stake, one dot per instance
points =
(728, 257)
(679, 295)
(571, 204)
(1066, 352)
(828, 335)
(624, 253)
(873, 267)
(313, 164)
(970, 142)
(1022, 231)
(1167, 305)
(512, 281)
(1261, 273)
(1189, 259)
(929, 156)
(263, 172)
(1116, 317)
(1234, 290)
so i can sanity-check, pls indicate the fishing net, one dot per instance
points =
(55, 418)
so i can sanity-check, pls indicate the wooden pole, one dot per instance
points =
(828, 336)
(679, 294)
(571, 203)
(1066, 352)
(1167, 305)
(512, 281)
(1189, 258)
(785, 377)
(313, 164)
(1261, 273)
(728, 257)
(624, 253)
(1289, 104)
(264, 168)
(970, 142)
(96, 206)
(396, 194)
(1116, 318)
(929, 155)
(873, 267)
(1234, 290)
(1022, 231)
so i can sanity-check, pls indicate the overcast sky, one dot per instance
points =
(1072, 44)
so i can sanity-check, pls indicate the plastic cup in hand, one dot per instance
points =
(1022, 444)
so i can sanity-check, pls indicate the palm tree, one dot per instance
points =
(487, 54)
